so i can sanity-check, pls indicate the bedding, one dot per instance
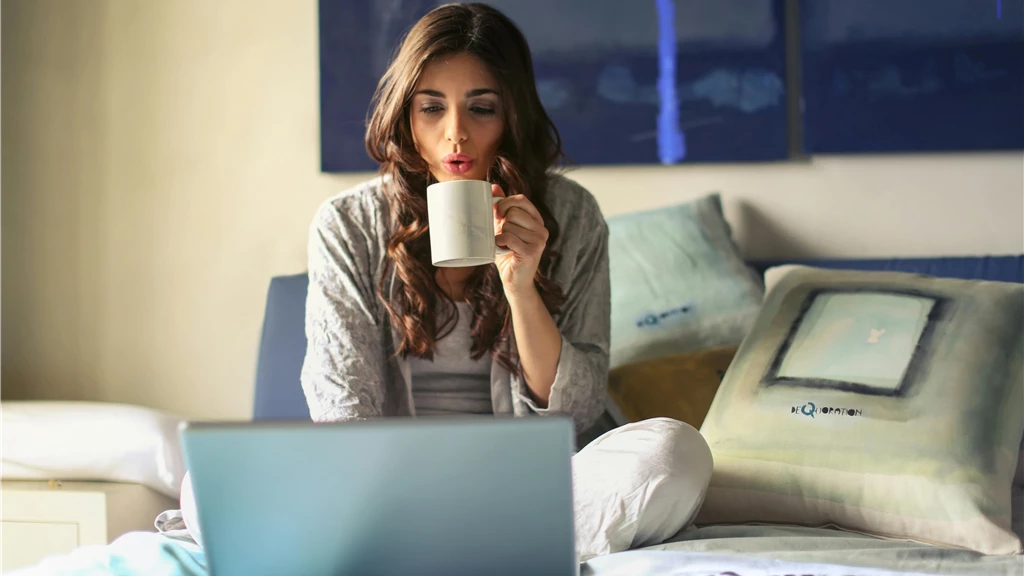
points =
(134, 554)
(750, 550)
(709, 551)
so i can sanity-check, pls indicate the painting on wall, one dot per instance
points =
(659, 81)
(912, 75)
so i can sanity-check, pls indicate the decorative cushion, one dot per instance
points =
(51, 440)
(885, 403)
(678, 282)
(680, 386)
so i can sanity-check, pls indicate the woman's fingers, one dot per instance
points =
(519, 223)
(512, 242)
(521, 218)
(530, 237)
(521, 202)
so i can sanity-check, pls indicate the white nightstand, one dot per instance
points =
(38, 519)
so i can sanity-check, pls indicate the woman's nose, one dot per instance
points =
(455, 130)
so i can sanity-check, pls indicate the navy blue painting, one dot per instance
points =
(912, 75)
(652, 81)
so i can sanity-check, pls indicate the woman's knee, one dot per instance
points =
(681, 465)
(659, 445)
(639, 484)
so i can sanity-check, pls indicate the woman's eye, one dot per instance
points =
(482, 110)
(430, 109)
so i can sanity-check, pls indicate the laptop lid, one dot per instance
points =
(393, 496)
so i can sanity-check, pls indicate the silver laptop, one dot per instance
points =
(395, 496)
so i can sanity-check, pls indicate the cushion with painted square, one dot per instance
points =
(885, 403)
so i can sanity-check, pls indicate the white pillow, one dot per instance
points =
(45, 440)
(886, 403)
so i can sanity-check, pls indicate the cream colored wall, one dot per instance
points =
(161, 163)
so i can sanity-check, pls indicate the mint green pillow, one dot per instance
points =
(884, 403)
(678, 282)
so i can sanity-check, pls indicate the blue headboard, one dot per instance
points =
(283, 344)
(282, 348)
(995, 268)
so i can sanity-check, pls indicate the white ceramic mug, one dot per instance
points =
(462, 223)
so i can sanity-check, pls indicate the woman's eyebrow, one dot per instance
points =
(470, 94)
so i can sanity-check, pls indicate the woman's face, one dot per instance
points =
(456, 118)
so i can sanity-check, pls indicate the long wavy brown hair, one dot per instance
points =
(420, 311)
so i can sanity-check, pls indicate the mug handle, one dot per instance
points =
(498, 250)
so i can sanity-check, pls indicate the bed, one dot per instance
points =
(712, 549)
(721, 550)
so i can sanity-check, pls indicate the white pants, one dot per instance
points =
(635, 485)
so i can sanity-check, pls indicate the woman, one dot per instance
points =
(379, 309)
(391, 335)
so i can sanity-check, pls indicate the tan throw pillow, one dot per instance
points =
(880, 402)
(680, 386)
